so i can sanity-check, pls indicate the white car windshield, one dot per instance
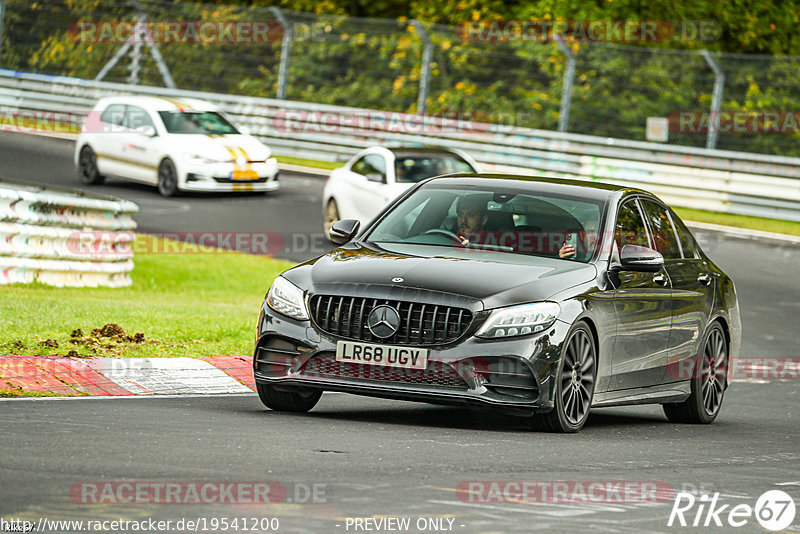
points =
(196, 122)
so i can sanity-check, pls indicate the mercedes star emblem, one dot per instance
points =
(383, 321)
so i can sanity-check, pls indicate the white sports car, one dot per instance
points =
(377, 175)
(178, 145)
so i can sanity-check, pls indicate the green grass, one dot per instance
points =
(195, 304)
(24, 125)
(6, 393)
(310, 162)
(740, 221)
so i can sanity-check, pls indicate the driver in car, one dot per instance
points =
(471, 211)
(472, 217)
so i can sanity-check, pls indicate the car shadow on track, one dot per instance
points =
(457, 418)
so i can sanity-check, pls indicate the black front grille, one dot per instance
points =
(436, 374)
(229, 180)
(420, 324)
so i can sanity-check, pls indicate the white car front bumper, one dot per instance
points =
(220, 177)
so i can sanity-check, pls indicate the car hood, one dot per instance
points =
(496, 279)
(220, 147)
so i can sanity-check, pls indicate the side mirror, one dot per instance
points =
(375, 177)
(640, 259)
(146, 130)
(343, 231)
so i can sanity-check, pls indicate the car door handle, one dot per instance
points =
(660, 279)
(704, 279)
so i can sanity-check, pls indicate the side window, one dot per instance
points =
(377, 164)
(370, 163)
(114, 114)
(687, 244)
(360, 166)
(135, 117)
(630, 228)
(663, 231)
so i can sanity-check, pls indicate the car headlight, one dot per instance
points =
(286, 298)
(197, 159)
(519, 320)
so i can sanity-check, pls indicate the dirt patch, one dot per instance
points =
(52, 343)
(110, 339)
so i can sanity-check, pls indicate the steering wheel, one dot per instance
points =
(443, 232)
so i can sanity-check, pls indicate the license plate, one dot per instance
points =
(386, 355)
(244, 175)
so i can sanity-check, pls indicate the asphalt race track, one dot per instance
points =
(369, 458)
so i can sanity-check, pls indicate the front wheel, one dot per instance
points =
(287, 401)
(574, 384)
(167, 179)
(87, 167)
(709, 380)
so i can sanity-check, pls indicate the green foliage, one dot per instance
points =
(376, 63)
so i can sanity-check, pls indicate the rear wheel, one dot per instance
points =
(167, 179)
(287, 401)
(574, 385)
(331, 216)
(87, 167)
(709, 379)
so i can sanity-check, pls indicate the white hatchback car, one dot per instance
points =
(177, 145)
(377, 175)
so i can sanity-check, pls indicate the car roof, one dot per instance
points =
(156, 103)
(590, 189)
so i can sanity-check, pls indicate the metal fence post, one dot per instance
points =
(425, 68)
(139, 33)
(566, 92)
(286, 52)
(716, 98)
(2, 21)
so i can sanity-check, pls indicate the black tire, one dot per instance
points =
(88, 172)
(709, 381)
(288, 401)
(574, 385)
(167, 179)
(331, 215)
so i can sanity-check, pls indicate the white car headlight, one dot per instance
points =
(519, 320)
(286, 298)
(197, 159)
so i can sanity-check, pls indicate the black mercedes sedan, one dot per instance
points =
(539, 297)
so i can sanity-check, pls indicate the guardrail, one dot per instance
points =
(64, 239)
(717, 180)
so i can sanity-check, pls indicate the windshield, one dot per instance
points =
(414, 168)
(512, 221)
(196, 122)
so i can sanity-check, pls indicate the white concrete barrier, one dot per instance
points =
(64, 239)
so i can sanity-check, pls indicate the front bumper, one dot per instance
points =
(220, 177)
(514, 376)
